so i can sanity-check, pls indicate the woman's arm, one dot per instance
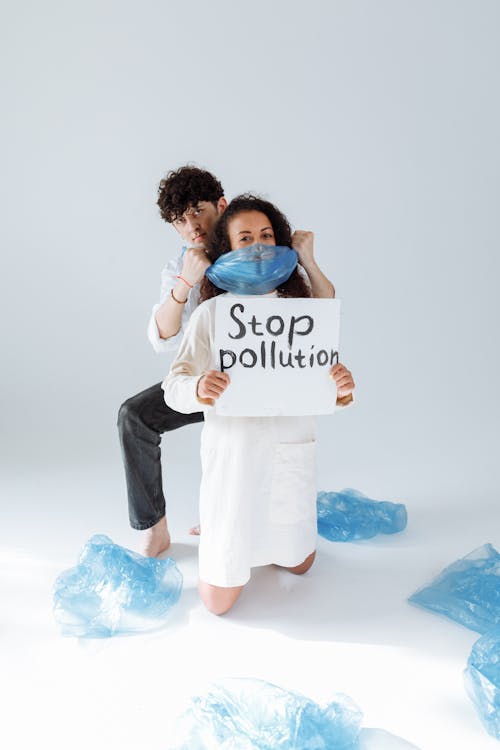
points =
(193, 360)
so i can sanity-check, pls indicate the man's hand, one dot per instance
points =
(195, 264)
(303, 243)
(343, 380)
(212, 385)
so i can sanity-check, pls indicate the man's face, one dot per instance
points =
(197, 222)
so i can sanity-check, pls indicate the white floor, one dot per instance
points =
(344, 627)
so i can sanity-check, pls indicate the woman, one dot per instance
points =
(258, 488)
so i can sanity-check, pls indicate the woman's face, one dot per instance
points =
(248, 228)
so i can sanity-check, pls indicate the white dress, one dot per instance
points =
(258, 487)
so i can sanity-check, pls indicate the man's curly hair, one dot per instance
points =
(220, 244)
(184, 188)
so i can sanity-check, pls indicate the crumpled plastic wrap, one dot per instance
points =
(482, 681)
(349, 515)
(114, 591)
(256, 269)
(249, 714)
(467, 591)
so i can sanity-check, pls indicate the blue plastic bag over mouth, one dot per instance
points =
(467, 591)
(256, 269)
(250, 714)
(114, 591)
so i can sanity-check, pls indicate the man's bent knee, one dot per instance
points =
(127, 413)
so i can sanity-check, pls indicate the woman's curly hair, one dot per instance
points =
(220, 244)
(184, 188)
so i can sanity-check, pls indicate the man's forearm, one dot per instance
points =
(303, 243)
(321, 287)
(169, 315)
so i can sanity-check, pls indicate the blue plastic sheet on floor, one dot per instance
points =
(482, 681)
(468, 591)
(114, 591)
(248, 714)
(349, 515)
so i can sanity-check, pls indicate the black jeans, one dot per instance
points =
(141, 421)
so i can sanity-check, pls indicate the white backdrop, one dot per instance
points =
(374, 124)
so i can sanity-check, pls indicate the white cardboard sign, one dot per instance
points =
(278, 354)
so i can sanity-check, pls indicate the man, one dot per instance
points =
(191, 199)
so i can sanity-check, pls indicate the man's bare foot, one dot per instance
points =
(157, 539)
(195, 530)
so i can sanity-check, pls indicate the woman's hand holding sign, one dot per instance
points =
(344, 382)
(212, 385)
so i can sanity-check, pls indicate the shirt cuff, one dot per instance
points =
(180, 393)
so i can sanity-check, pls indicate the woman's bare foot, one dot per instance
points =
(195, 530)
(157, 539)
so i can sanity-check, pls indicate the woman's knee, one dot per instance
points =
(299, 570)
(218, 599)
